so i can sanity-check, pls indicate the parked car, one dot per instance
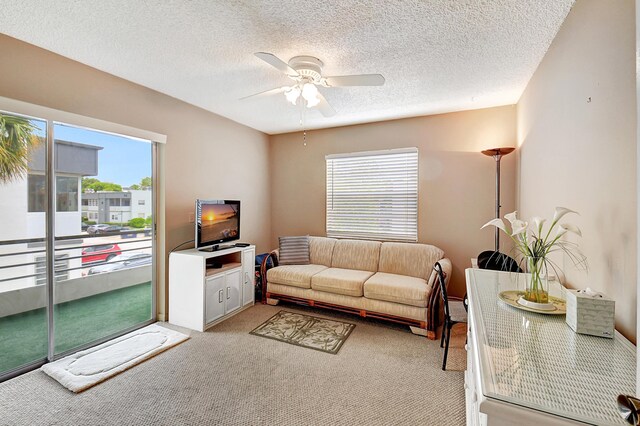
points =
(123, 261)
(93, 229)
(101, 253)
(109, 229)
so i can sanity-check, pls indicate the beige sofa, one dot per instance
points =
(391, 281)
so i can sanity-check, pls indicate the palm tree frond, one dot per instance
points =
(17, 141)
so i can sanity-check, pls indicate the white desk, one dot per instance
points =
(526, 368)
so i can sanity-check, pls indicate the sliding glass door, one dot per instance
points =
(77, 243)
(103, 235)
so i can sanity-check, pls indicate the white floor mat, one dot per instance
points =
(87, 368)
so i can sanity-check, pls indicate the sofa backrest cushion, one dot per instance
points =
(414, 260)
(294, 250)
(356, 254)
(321, 250)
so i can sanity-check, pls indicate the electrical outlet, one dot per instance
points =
(192, 217)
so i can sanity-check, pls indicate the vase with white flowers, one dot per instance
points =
(534, 243)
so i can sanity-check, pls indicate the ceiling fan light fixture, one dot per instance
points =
(310, 94)
(312, 102)
(309, 90)
(292, 94)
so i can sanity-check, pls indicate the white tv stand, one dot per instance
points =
(207, 287)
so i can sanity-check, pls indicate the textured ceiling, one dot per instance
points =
(436, 55)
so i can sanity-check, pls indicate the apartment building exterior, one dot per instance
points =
(118, 207)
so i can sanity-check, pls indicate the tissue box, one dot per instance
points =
(590, 314)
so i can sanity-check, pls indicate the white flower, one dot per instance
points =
(498, 223)
(518, 227)
(532, 242)
(538, 222)
(571, 228)
(560, 212)
(511, 217)
(560, 232)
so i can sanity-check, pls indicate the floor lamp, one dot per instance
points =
(497, 154)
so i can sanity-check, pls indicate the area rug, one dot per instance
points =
(87, 368)
(304, 330)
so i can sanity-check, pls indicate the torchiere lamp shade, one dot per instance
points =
(498, 151)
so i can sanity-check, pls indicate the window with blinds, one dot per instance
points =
(373, 195)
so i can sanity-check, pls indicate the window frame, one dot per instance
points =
(36, 201)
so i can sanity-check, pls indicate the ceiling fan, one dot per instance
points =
(306, 72)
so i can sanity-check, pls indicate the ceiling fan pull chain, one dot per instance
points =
(302, 122)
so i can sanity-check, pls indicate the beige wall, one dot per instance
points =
(206, 156)
(457, 182)
(577, 132)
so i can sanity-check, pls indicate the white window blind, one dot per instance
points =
(373, 195)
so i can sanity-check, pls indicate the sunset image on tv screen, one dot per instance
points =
(219, 221)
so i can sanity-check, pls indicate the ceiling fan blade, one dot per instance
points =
(355, 80)
(276, 62)
(324, 107)
(266, 93)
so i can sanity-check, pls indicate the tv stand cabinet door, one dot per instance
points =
(248, 276)
(215, 297)
(233, 290)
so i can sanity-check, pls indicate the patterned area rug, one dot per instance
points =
(306, 331)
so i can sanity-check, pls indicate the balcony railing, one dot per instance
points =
(73, 242)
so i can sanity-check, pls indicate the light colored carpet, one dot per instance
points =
(383, 375)
(83, 369)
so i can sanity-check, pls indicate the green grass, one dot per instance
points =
(23, 337)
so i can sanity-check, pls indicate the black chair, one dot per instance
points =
(454, 313)
(496, 261)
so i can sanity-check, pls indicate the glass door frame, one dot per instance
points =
(53, 117)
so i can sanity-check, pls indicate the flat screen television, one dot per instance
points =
(217, 221)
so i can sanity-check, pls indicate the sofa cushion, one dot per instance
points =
(414, 260)
(356, 254)
(294, 275)
(373, 306)
(397, 288)
(294, 250)
(321, 250)
(340, 281)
